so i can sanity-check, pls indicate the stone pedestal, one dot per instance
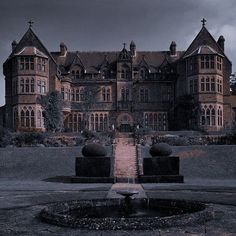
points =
(93, 166)
(161, 169)
(93, 170)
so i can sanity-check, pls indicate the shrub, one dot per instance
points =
(5, 137)
(29, 139)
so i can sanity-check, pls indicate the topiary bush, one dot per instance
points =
(94, 150)
(160, 149)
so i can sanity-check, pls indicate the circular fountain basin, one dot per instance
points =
(108, 214)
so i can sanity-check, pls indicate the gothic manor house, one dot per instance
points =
(159, 90)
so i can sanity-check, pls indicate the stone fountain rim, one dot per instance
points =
(52, 214)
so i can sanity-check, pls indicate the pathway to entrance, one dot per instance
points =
(125, 159)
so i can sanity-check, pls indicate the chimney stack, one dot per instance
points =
(132, 48)
(13, 45)
(173, 48)
(221, 42)
(63, 50)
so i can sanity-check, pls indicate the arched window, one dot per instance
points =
(108, 95)
(213, 117)
(220, 116)
(32, 123)
(208, 122)
(39, 118)
(203, 115)
(22, 118)
(101, 123)
(27, 118)
(105, 122)
(96, 122)
(92, 121)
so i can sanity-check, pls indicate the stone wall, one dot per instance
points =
(39, 163)
(210, 162)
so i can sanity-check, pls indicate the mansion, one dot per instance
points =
(158, 90)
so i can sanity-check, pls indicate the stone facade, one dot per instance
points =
(159, 90)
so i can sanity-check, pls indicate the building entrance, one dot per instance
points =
(125, 122)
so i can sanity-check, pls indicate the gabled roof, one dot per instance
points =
(92, 61)
(124, 55)
(204, 38)
(77, 60)
(30, 39)
(143, 62)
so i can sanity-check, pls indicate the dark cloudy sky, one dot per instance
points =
(106, 24)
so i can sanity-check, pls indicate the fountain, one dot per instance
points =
(126, 214)
(128, 208)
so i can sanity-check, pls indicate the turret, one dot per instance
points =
(221, 42)
(173, 48)
(63, 50)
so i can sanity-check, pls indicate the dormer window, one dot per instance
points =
(143, 73)
(105, 73)
(76, 74)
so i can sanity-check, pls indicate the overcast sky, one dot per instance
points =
(106, 24)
